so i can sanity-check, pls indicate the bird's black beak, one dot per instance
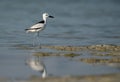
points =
(51, 16)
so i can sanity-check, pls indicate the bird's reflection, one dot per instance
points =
(36, 64)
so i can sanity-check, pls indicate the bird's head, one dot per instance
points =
(46, 15)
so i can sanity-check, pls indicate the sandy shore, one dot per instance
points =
(91, 78)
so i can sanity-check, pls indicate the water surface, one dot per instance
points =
(76, 23)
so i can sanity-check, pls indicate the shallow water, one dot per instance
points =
(76, 23)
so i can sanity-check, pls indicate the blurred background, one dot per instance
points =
(76, 23)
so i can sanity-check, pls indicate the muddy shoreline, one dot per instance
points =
(99, 47)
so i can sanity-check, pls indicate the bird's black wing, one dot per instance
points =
(41, 21)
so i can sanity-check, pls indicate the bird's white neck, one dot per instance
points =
(44, 74)
(45, 19)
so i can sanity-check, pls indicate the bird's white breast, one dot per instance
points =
(39, 25)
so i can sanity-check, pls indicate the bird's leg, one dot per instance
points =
(38, 39)
(34, 39)
(37, 34)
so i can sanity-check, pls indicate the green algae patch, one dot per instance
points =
(104, 47)
(64, 48)
(71, 55)
(112, 53)
(26, 47)
(96, 50)
(100, 47)
(91, 47)
(43, 54)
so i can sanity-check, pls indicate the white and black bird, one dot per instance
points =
(37, 65)
(36, 28)
(40, 25)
